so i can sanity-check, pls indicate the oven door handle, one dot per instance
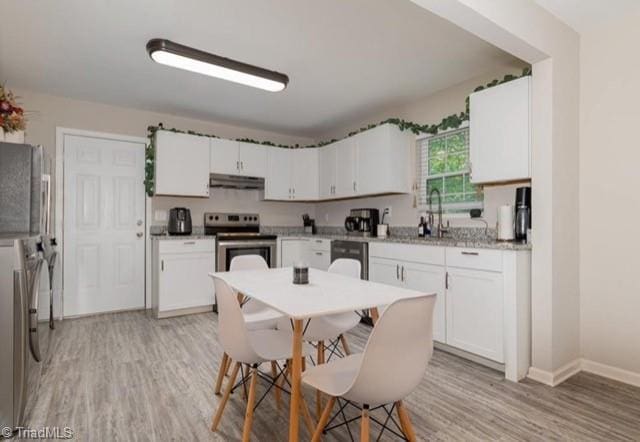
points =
(246, 244)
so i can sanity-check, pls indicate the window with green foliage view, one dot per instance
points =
(443, 164)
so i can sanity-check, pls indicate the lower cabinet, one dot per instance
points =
(181, 282)
(426, 278)
(292, 251)
(475, 315)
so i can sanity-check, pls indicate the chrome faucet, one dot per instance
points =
(440, 229)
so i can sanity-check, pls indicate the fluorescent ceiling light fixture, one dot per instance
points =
(183, 57)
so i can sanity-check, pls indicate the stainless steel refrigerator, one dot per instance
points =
(25, 221)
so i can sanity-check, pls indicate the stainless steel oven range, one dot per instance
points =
(239, 234)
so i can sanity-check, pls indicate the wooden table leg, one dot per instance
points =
(296, 373)
(320, 360)
(374, 315)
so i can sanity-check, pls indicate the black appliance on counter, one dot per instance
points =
(523, 213)
(362, 222)
(179, 221)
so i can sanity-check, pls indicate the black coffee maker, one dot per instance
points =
(523, 213)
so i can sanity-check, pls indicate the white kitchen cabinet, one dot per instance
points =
(304, 174)
(252, 160)
(346, 168)
(320, 253)
(327, 171)
(475, 312)
(500, 132)
(181, 164)
(383, 155)
(278, 181)
(181, 282)
(426, 278)
(229, 157)
(225, 156)
(293, 251)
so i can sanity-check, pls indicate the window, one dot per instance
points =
(443, 164)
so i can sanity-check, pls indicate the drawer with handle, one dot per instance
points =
(477, 259)
(320, 245)
(186, 245)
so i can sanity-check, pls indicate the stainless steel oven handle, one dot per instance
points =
(34, 290)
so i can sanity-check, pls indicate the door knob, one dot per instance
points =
(139, 234)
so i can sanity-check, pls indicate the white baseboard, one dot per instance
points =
(608, 371)
(565, 372)
(556, 377)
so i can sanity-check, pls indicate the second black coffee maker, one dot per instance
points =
(523, 213)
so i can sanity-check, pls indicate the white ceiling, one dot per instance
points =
(583, 15)
(345, 59)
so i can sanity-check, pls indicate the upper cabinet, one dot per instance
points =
(383, 155)
(181, 164)
(346, 171)
(327, 171)
(292, 174)
(230, 157)
(500, 132)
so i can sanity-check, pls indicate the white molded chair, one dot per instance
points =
(249, 347)
(391, 367)
(257, 316)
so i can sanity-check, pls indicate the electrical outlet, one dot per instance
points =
(326, 217)
(388, 210)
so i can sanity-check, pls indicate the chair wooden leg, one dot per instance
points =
(320, 360)
(248, 417)
(221, 373)
(405, 422)
(216, 418)
(345, 345)
(364, 425)
(375, 315)
(326, 414)
(306, 414)
(228, 366)
(274, 375)
(244, 384)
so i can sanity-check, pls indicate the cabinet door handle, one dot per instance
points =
(242, 165)
(397, 271)
(162, 265)
(446, 280)
(470, 253)
(402, 274)
(354, 186)
(319, 253)
(318, 241)
(189, 243)
(237, 165)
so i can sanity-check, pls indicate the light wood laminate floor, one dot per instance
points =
(127, 376)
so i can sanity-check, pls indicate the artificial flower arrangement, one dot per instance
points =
(12, 117)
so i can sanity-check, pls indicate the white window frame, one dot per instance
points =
(452, 209)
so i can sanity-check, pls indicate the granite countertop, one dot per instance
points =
(445, 242)
(167, 237)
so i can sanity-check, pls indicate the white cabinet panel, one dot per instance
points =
(500, 134)
(346, 168)
(293, 251)
(224, 156)
(304, 174)
(182, 164)
(429, 279)
(385, 271)
(383, 160)
(184, 280)
(278, 181)
(327, 171)
(475, 312)
(320, 259)
(253, 160)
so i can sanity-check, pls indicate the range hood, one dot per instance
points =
(221, 181)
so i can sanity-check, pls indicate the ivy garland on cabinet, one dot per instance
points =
(451, 122)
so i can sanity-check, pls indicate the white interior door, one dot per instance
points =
(104, 225)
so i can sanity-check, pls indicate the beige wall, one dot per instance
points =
(47, 112)
(609, 177)
(428, 110)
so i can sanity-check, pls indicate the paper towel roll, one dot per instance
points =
(505, 223)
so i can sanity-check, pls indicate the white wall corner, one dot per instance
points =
(556, 377)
